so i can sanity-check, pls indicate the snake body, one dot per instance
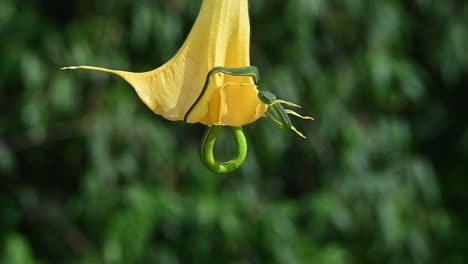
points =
(275, 112)
(207, 146)
(212, 132)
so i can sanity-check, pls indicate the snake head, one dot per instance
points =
(266, 97)
(277, 113)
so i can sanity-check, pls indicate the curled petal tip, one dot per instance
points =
(298, 115)
(297, 132)
(279, 101)
(69, 68)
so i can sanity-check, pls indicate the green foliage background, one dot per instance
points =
(89, 175)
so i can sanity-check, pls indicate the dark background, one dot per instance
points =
(88, 174)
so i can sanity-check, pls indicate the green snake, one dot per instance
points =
(275, 112)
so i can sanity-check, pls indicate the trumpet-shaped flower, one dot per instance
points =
(219, 37)
(210, 81)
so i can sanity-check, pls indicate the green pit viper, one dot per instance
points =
(275, 112)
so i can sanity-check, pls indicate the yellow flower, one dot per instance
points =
(210, 81)
(219, 37)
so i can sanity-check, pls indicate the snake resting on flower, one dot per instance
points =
(275, 111)
(191, 87)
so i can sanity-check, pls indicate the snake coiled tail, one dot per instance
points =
(207, 148)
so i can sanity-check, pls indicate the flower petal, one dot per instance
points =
(298, 115)
(279, 101)
(219, 37)
(297, 132)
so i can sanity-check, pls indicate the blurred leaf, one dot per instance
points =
(17, 250)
